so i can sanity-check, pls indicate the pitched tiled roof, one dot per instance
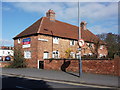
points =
(30, 30)
(57, 28)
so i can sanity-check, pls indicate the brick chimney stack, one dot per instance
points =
(83, 25)
(50, 14)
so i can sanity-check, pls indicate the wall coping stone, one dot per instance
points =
(6, 61)
(78, 59)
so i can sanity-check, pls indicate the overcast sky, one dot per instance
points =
(102, 17)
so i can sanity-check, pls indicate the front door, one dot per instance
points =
(41, 64)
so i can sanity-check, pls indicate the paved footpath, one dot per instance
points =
(103, 80)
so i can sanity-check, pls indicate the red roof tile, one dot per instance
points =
(57, 28)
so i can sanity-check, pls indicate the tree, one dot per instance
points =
(18, 59)
(113, 43)
(102, 36)
(94, 47)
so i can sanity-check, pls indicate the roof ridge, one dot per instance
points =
(67, 23)
(93, 34)
(40, 25)
(100, 41)
(63, 22)
(27, 28)
(58, 28)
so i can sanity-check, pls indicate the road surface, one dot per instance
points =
(9, 82)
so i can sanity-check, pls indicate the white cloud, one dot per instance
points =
(98, 14)
(101, 17)
(98, 11)
(98, 29)
(64, 11)
(6, 42)
(60, 0)
(6, 8)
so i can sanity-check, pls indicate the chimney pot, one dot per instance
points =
(50, 14)
(83, 25)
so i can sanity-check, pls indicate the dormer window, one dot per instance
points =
(55, 40)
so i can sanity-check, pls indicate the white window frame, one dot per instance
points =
(88, 44)
(27, 54)
(19, 41)
(101, 55)
(3, 52)
(101, 46)
(72, 42)
(45, 55)
(90, 54)
(77, 55)
(1, 58)
(55, 40)
(85, 54)
(55, 54)
(72, 54)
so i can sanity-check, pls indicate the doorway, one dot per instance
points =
(40, 64)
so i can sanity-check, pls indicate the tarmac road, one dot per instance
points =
(13, 82)
(86, 78)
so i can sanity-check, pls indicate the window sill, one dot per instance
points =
(55, 43)
(72, 45)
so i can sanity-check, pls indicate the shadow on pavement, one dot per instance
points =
(119, 82)
(72, 74)
(65, 65)
(23, 83)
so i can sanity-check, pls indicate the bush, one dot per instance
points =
(67, 53)
(110, 54)
(19, 61)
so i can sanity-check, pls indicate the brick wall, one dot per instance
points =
(38, 47)
(64, 65)
(49, 46)
(32, 62)
(5, 63)
(117, 66)
(99, 66)
(63, 45)
(110, 67)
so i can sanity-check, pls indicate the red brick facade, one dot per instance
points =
(5, 63)
(32, 62)
(38, 47)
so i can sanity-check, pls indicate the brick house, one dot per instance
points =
(6, 53)
(50, 38)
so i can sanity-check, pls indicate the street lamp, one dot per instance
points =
(79, 37)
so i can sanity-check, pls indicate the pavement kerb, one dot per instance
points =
(38, 78)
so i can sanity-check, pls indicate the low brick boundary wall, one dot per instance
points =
(5, 63)
(110, 67)
(99, 66)
(64, 65)
(117, 66)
